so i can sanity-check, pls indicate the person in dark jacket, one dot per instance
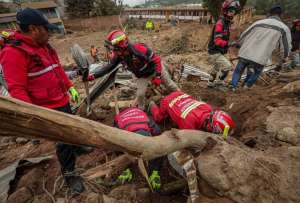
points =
(33, 74)
(140, 60)
(295, 43)
(135, 120)
(219, 44)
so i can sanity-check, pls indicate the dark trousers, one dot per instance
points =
(66, 153)
(253, 72)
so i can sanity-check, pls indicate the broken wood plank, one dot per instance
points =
(109, 169)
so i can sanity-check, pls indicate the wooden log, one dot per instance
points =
(25, 120)
(110, 168)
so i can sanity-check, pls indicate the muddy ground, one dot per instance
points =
(185, 43)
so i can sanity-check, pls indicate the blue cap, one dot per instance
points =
(31, 16)
(276, 9)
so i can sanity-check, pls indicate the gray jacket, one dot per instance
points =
(264, 36)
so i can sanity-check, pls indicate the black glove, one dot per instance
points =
(85, 74)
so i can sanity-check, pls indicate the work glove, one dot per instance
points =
(126, 176)
(155, 180)
(85, 74)
(156, 81)
(74, 94)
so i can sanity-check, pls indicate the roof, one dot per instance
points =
(199, 8)
(39, 5)
(7, 17)
(3, 15)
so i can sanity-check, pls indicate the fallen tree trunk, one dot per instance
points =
(25, 120)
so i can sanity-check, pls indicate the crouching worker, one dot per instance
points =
(140, 60)
(137, 121)
(188, 113)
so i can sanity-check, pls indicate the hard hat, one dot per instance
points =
(231, 4)
(296, 22)
(116, 39)
(219, 121)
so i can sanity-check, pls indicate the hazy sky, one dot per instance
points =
(133, 2)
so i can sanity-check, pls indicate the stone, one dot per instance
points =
(143, 193)
(44, 199)
(21, 140)
(289, 135)
(32, 180)
(22, 195)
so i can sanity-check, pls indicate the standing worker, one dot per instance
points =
(295, 58)
(258, 43)
(149, 25)
(219, 44)
(33, 74)
(139, 59)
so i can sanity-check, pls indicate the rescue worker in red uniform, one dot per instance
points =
(219, 44)
(137, 121)
(189, 113)
(140, 60)
(33, 74)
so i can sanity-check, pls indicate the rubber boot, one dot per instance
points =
(155, 180)
(75, 183)
(126, 176)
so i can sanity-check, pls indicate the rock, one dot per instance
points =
(284, 122)
(32, 180)
(128, 191)
(21, 140)
(44, 199)
(106, 199)
(293, 87)
(61, 200)
(93, 198)
(23, 195)
(288, 135)
(8, 139)
(245, 175)
(143, 193)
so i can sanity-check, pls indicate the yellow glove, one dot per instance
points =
(74, 94)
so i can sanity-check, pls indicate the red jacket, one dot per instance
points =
(142, 62)
(220, 37)
(134, 119)
(185, 111)
(33, 73)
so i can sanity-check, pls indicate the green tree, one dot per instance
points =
(291, 7)
(214, 6)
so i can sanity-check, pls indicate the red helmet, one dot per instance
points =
(296, 22)
(116, 39)
(231, 4)
(219, 121)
